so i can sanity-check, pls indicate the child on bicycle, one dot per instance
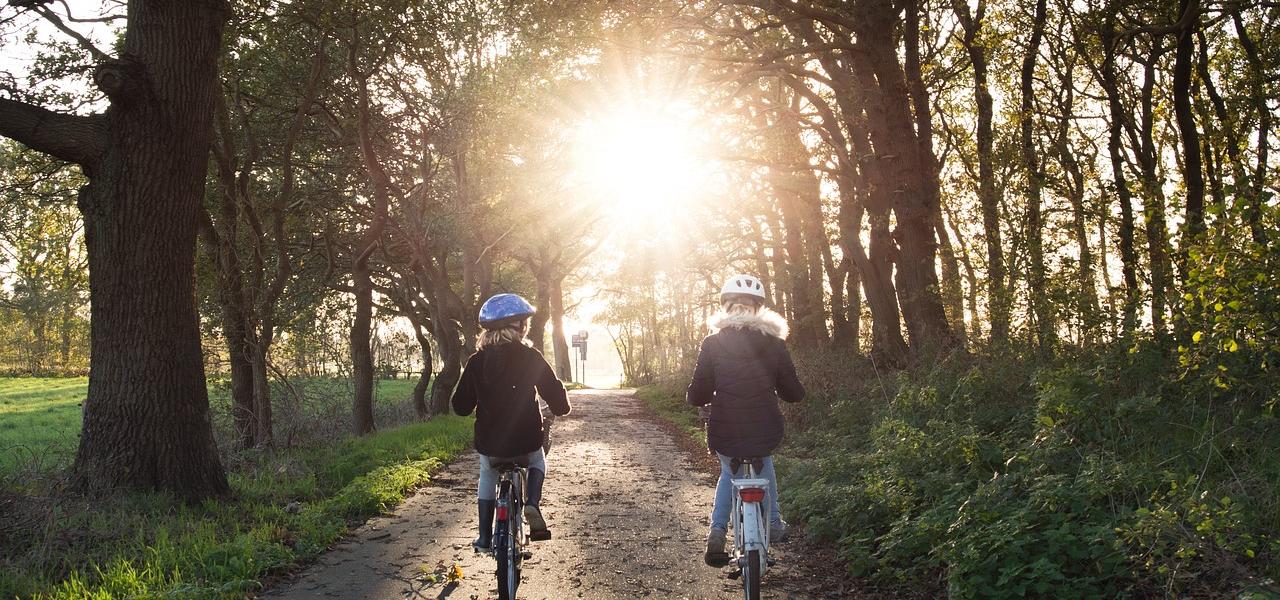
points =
(743, 369)
(498, 383)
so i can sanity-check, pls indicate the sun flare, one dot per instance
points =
(641, 165)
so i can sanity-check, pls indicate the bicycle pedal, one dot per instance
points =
(771, 562)
(734, 575)
(526, 555)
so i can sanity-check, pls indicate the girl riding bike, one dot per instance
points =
(498, 383)
(743, 368)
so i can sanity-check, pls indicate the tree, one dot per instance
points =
(146, 418)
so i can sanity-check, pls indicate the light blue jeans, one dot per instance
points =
(724, 492)
(487, 488)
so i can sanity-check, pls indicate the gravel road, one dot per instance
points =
(627, 507)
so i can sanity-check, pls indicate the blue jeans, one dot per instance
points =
(724, 492)
(487, 487)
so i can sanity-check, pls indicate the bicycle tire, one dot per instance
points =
(506, 543)
(751, 576)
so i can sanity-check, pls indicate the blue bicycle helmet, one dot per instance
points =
(503, 308)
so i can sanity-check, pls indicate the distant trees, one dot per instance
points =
(44, 325)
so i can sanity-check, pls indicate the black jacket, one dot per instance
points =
(742, 371)
(498, 383)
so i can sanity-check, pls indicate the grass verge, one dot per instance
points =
(287, 508)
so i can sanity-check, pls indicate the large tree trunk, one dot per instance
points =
(146, 418)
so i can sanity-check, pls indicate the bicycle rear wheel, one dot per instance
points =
(751, 576)
(508, 573)
(507, 551)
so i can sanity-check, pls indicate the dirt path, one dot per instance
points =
(628, 517)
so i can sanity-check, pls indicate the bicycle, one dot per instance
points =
(509, 536)
(750, 527)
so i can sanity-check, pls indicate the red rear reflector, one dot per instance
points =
(502, 513)
(752, 494)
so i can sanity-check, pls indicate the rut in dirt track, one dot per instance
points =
(627, 512)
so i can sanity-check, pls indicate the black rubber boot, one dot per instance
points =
(532, 514)
(487, 508)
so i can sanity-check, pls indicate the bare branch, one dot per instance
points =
(71, 138)
(84, 42)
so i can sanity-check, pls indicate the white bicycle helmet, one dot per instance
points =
(743, 285)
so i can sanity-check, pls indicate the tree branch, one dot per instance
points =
(66, 137)
(84, 42)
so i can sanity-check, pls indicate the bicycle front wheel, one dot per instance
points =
(751, 576)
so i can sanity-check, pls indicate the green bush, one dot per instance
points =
(1097, 477)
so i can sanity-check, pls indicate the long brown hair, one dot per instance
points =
(512, 332)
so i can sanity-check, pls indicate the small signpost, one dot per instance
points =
(580, 342)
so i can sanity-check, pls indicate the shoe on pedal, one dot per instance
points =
(538, 531)
(778, 531)
(715, 555)
(481, 545)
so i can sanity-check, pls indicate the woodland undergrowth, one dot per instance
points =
(1117, 472)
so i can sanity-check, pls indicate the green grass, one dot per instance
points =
(39, 418)
(148, 545)
(393, 390)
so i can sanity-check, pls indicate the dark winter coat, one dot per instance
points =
(499, 383)
(743, 369)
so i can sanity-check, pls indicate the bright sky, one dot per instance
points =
(645, 160)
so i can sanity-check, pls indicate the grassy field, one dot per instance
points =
(287, 506)
(40, 416)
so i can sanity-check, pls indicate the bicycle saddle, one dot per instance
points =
(756, 462)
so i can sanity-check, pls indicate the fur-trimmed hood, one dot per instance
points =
(765, 321)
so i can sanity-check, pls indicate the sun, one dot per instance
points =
(641, 165)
